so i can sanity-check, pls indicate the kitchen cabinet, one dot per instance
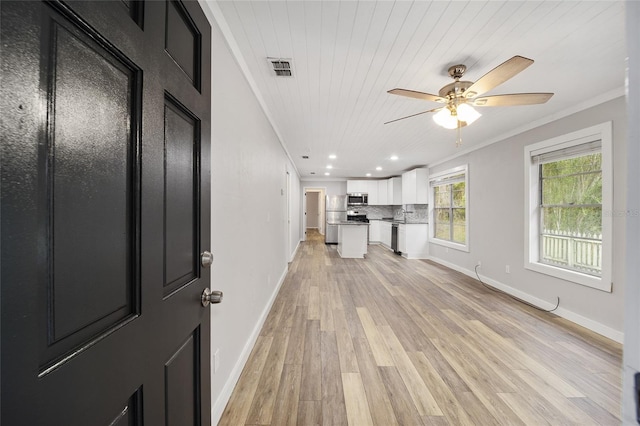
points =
(413, 240)
(415, 187)
(372, 191)
(352, 240)
(394, 191)
(382, 192)
(374, 231)
(385, 233)
(402, 239)
(357, 186)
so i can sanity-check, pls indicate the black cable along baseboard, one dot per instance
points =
(514, 297)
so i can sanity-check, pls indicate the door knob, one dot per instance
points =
(209, 296)
(206, 259)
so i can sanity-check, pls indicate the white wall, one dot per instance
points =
(295, 215)
(496, 222)
(332, 187)
(249, 218)
(631, 359)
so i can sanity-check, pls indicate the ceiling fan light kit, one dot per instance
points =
(459, 96)
(467, 114)
(446, 118)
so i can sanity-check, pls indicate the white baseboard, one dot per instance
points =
(294, 252)
(416, 256)
(223, 398)
(592, 325)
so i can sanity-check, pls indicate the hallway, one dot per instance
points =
(386, 340)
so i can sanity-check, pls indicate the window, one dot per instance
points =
(569, 185)
(449, 195)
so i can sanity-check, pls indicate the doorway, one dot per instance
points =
(313, 208)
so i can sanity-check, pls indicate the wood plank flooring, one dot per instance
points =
(386, 341)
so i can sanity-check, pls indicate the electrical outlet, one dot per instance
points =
(216, 360)
(479, 264)
(507, 269)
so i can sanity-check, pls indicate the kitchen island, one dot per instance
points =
(352, 239)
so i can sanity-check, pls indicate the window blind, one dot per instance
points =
(566, 153)
(447, 179)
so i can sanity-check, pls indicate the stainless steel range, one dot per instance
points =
(358, 217)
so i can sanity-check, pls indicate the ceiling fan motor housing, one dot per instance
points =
(455, 89)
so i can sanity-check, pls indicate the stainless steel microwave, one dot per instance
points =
(357, 199)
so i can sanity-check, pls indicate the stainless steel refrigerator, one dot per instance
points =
(335, 211)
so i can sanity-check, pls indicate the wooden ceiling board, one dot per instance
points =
(347, 54)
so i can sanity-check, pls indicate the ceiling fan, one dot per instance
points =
(460, 97)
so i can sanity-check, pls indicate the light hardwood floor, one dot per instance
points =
(385, 341)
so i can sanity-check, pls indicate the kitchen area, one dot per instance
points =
(391, 212)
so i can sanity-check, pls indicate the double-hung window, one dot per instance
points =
(449, 215)
(569, 185)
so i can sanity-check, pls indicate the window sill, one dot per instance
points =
(450, 244)
(598, 283)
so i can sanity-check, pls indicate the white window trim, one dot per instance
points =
(602, 132)
(454, 171)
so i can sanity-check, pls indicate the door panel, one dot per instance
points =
(182, 157)
(183, 40)
(100, 211)
(182, 390)
(131, 414)
(135, 10)
(91, 177)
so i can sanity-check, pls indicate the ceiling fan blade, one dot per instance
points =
(413, 115)
(512, 99)
(498, 75)
(417, 95)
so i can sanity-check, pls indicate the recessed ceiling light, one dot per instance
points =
(329, 166)
(327, 173)
(378, 168)
(368, 174)
(332, 156)
(394, 157)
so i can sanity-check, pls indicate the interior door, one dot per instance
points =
(105, 213)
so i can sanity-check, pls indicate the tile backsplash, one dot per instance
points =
(414, 213)
(376, 212)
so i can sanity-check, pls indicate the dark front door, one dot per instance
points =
(105, 213)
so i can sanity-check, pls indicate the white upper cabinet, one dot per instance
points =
(382, 192)
(394, 191)
(357, 186)
(415, 185)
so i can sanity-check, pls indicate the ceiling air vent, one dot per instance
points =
(282, 67)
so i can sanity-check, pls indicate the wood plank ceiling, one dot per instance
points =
(347, 54)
